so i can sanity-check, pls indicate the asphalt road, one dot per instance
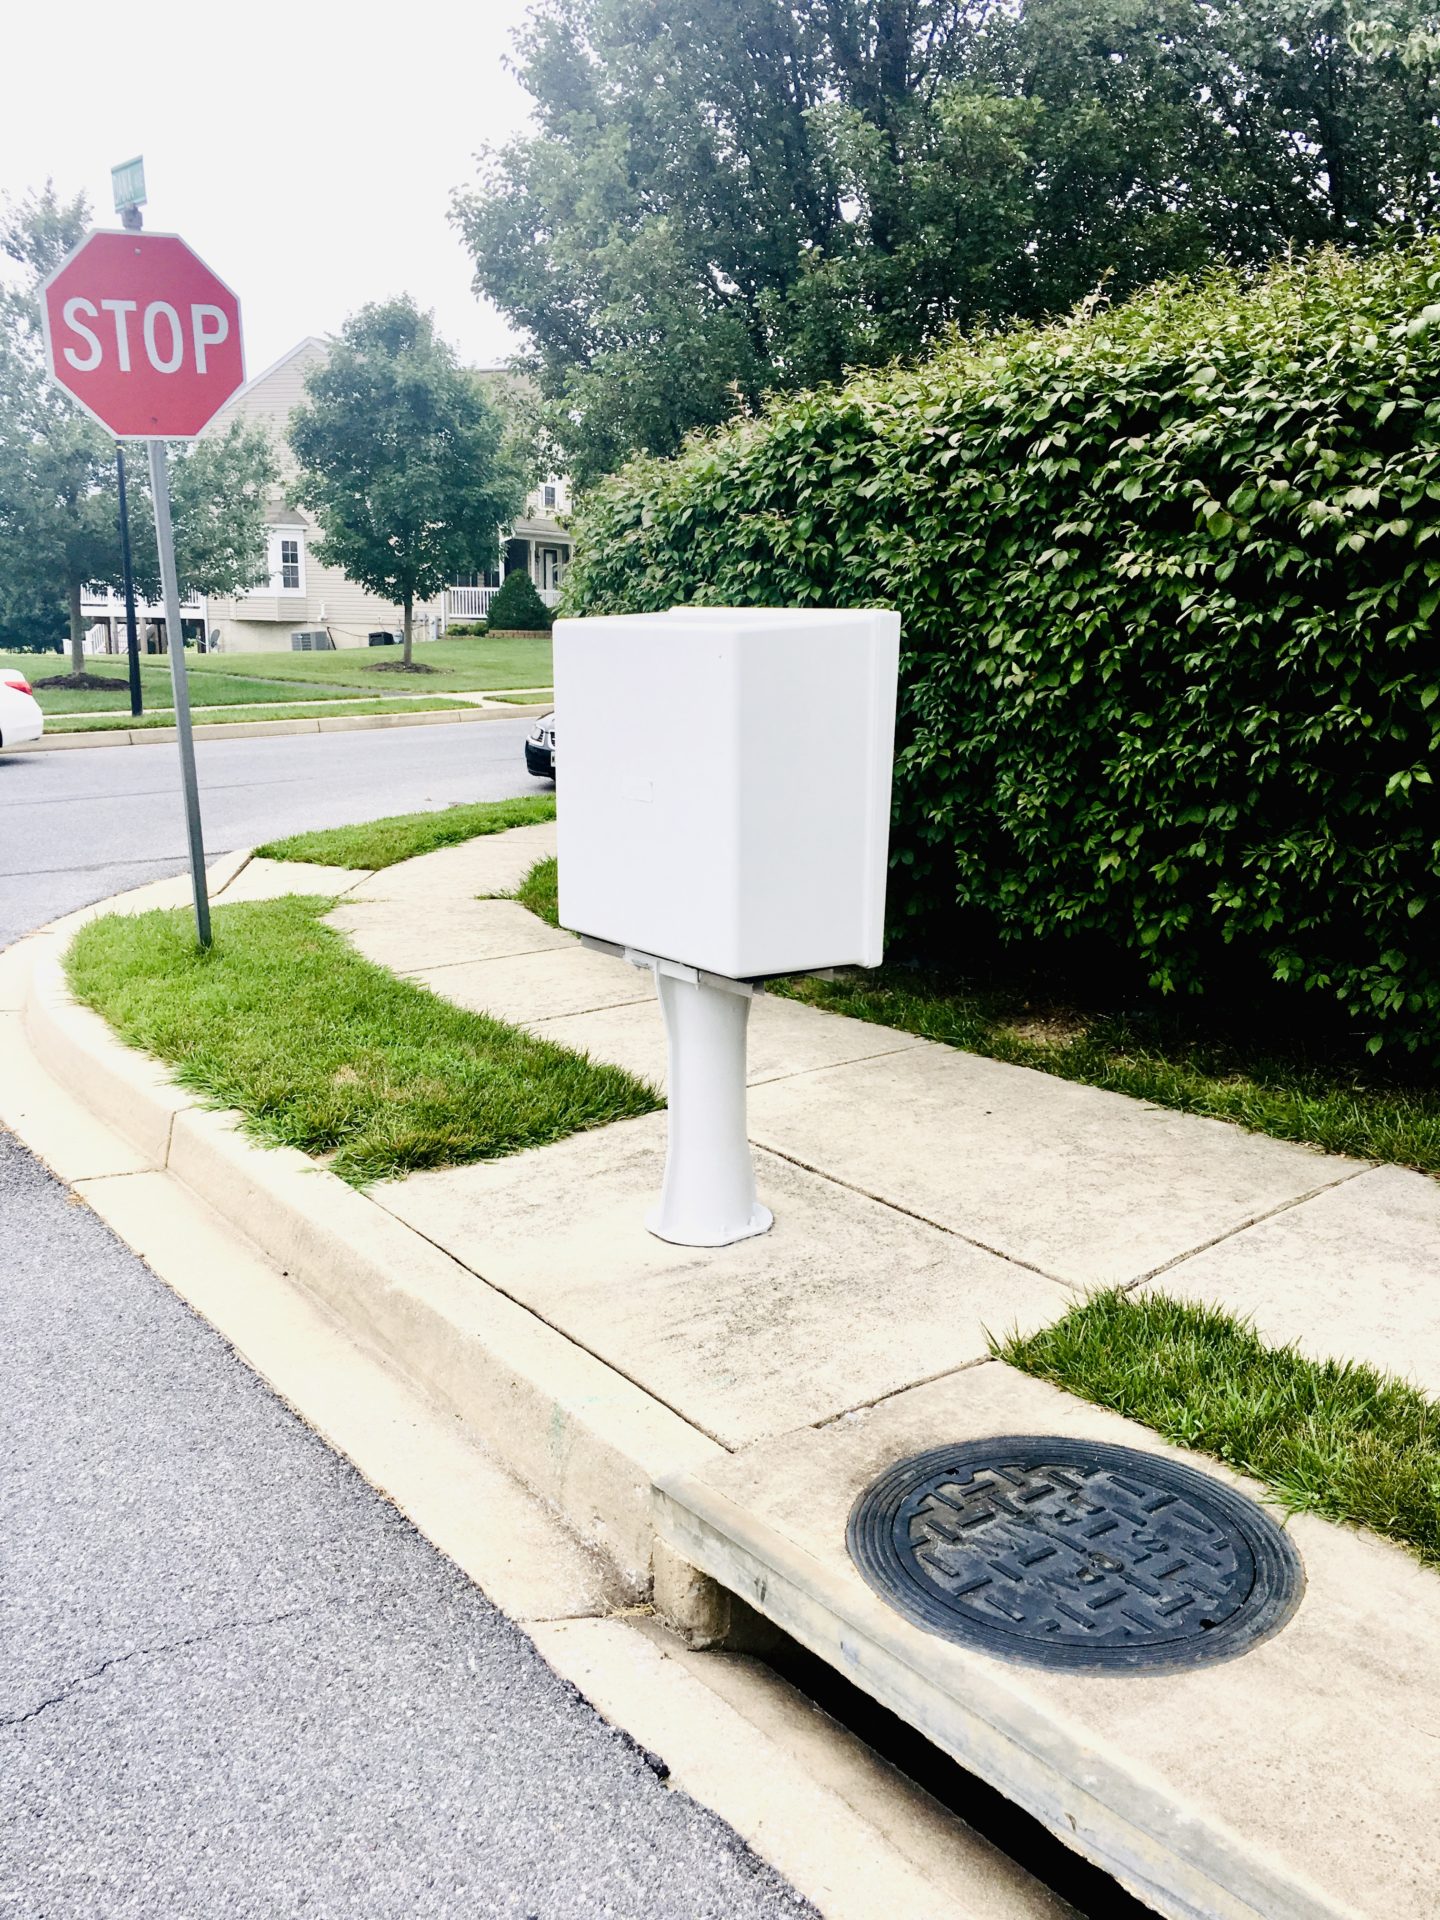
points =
(80, 824)
(235, 1681)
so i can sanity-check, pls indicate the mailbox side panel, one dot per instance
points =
(648, 809)
(816, 728)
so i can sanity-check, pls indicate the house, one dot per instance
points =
(302, 597)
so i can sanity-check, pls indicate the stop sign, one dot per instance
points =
(143, 334)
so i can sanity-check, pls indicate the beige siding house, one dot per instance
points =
(302, 597)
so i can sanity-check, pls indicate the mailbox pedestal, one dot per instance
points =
(708, 1198)
(724, 807)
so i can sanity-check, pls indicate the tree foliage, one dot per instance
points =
(401, 459)
(1169, 584)
(59, 527)
(730, 197)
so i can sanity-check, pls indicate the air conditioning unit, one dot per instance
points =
(311, 640)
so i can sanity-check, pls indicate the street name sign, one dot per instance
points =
(143, 334)
(128, 183)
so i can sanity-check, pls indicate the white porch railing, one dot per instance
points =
(468, 603)
(473, 603)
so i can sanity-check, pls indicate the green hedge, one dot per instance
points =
(1168, 579)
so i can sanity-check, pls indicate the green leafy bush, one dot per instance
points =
(465, 629)
(1168, 580)
(518, 608)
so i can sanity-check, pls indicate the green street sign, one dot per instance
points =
(128, 180)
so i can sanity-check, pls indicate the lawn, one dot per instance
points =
(206, 689)
(1327, 1437)
(218, 716)
(466, 666)
(318, 1049)
(401, 836)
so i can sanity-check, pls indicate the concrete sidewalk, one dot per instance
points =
(921, 1194)
(719, 1410)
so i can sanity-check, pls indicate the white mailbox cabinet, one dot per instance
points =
(724, 784)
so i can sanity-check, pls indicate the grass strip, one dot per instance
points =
(540, 890)
(319, 1049)
(1249, 1081)
(1327, 1437)
(218, 717)
(401, 836)
(532, 697)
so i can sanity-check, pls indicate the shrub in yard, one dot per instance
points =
(465, 630)
(1168, 579)
(518, 608)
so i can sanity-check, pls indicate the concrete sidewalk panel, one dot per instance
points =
(843, 1301)
(1295, 1781)
(540, 986)
(785, 1038)
(270, 879)
(453, 931)
(491, 863)
(1090, 1187)
(1355, 1272)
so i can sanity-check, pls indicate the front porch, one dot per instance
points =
(539, 550)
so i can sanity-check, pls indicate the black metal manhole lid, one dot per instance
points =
(1073, 1553)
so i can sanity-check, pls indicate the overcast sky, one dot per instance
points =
(306, 152)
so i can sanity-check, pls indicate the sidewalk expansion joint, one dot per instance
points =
(1244, 1226)
(798, 1073)
(231, 878)
(555, 1327)
(477, 960)
(149, 1653)
(894, 1393)
(574, 1013)
(913, 1213)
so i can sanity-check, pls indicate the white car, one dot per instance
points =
(20, 715)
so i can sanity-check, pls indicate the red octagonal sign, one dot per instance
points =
(143, 334)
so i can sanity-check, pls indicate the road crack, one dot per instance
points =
(148, 1653)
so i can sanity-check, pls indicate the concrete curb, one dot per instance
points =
(267, 729)
(570, 1428)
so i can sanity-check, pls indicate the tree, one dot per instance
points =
(727, 197)
(401, 459)
(59, 506)
(517, 607)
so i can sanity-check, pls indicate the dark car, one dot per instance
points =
(540, 747)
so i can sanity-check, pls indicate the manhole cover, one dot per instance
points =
(1072, 1553)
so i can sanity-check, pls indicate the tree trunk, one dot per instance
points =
(77, 629)
(409, 606)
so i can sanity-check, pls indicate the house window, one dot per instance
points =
(287, 562)
(547, 498)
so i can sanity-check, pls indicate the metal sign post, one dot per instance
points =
(175, 641)
(147, 338)
(132, 639)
